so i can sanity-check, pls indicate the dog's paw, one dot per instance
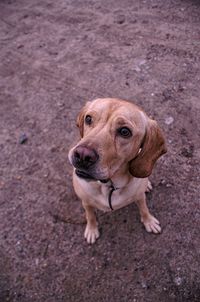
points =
(91, 234)
(149, 187)
(152, 225)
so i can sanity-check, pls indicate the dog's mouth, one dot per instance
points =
(84, 175)
(88, 177)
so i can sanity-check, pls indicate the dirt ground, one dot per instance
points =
(55, 55)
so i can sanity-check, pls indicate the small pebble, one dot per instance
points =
(36, 261)
(169, 120)
(20, 46)
(120, 19)
(178, 280)
(23, 138)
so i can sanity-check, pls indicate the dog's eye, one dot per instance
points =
(124, 132)
(88, 119)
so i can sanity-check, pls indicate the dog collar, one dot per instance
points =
(112, 189)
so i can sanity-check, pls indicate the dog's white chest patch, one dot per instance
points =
(107, 199)
(97, 194)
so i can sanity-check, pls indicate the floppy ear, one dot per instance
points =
(152, 148)
(80, 119)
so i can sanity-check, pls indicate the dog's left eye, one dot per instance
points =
(88, 119)
(124, 132)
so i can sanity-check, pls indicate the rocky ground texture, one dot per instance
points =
(55, 55)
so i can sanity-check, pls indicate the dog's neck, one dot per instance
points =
(121, 178)
(117, 182)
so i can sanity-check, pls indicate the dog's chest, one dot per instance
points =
(106, 199)
(112, 199)
(97, 194)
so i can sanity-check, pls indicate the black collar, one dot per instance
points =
(112, 189)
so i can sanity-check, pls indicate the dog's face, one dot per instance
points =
(117, 137)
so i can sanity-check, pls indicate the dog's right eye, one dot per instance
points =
(88, 120)
(125, 132)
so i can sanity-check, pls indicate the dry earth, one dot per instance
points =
(55, 55)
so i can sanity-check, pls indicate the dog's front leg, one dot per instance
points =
(91, 230)
(150, 222)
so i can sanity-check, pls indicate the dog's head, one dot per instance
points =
(116, 137)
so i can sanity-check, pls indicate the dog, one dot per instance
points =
(117, 151)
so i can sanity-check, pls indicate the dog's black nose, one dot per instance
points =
(84, 157)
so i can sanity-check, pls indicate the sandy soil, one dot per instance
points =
(55, 55)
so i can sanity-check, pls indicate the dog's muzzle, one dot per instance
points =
(84, 160)
(84, 157)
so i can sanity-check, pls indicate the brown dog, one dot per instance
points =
(118, 148)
